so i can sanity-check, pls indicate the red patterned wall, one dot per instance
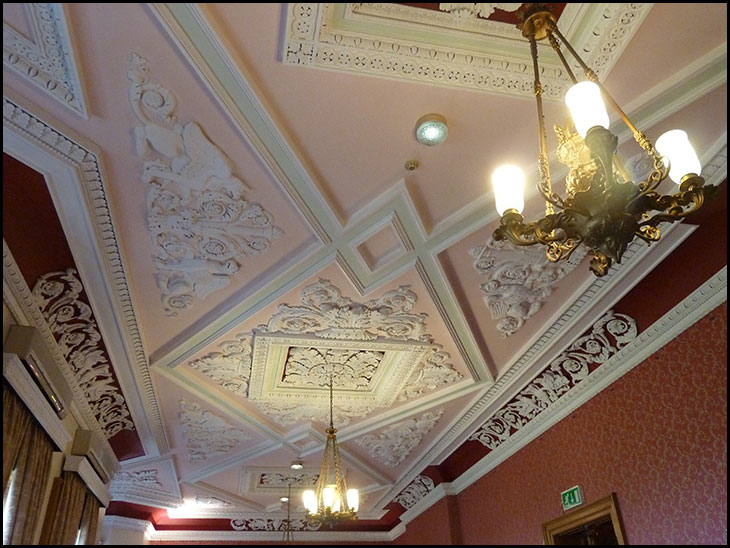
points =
(657, 437)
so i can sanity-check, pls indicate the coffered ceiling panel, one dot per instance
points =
(249, 216)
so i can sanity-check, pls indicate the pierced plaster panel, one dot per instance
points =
(355, 369)
(609, 334)
(415, 492)
(47, 60)
(395, 443)
(519, 280)
(202, 226)
(206, 434)
(368, 38)
(276, 481)
(272, 524)
(72, 322)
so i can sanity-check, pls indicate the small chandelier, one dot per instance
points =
(603, 210)
(331, 501)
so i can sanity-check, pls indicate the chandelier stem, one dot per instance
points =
(593, 77)
(545, 186)
(556, 46)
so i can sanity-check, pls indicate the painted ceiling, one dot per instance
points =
(208, 208)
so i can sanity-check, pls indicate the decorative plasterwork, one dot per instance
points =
(287, 414)
(272, 524)
(416, 490)
(277, 479)
(206, 434)
(215, 502)
(609, 335)
(482, 54)
(519, 282)
(17, 121)
(273, 481)
(203, 227)
(153, 484)
(72, 323)
(313, 367)
(146, 478)
(477, 10)
(231, 367)
(326, 313)
(49, 62)
(395, 443)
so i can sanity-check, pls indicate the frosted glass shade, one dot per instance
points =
(309, 499)
(675, 146)
(508, 183)
(431, 130)
(586, 107)
(353, 499)
(328, 496)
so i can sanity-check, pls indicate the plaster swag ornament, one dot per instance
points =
(231, 367)
(519, 280)
(609, 335)
(203, 228)
(77, 334)
(206, 434)
(416, 490)
(395, 443)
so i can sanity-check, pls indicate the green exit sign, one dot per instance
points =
(572, 497)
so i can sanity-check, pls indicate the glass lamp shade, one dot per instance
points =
(675, 146)
(309, 499)
(586, 107)
(431, 130)
(508, 183)
(353, 499)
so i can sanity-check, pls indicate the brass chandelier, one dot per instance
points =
(331, 501)
(603, 210)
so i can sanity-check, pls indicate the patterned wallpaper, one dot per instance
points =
(656, 437)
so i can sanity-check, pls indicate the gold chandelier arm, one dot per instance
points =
(642, 139)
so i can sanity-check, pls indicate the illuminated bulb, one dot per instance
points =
(296, 465)
(683, 159)
(431, 130)
(284, 499)
(309, 499)
(586, 107)
(508, 183)
(328, 496)
(353, 499)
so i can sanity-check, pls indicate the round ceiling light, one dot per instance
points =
(431, 129)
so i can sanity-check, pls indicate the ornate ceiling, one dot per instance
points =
(207, 212)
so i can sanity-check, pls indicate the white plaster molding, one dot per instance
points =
(203, 228)
(77, 186)
(207, 434)
(416, 490)
(48, 61)
(260, 536)
(473, 11)
(519, 280)
(481, 54)
(128, 524)
(273, 524)
(231, 367)
(209, 500)
(81, 465)
(150, 484)
(72, 322)
(608, 336)
(392, 445)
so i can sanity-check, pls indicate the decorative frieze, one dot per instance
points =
(272, 524)
(395, 443)
(415, 492)
(146, 478)
(519, 280)
(201, 224)
(609, 335)
(206, 434)
(72, 323)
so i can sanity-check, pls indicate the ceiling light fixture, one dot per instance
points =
(331, 501)
(431, 129)
(603, 210)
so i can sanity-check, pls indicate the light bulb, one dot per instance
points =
(508, 183)
(353, 499)
(586, 107)
(683, 159)
(328, 496)
(431, 130)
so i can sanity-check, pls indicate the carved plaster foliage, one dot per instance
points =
(395, 443)
(231, 367)
(77, 334)
(49, 61)
(416, 490)
(609, 335)
(314, 366)
(287, 414)
(272, 524)
(206, 434)
(147, 478)
(434, 371)
(277, 479)
(327, 314)
(519, 282)
(467, 11)
(203, 227)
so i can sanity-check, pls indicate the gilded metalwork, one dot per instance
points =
(603, 209)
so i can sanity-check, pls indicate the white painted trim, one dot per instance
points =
(128, 524)
(81, 465)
